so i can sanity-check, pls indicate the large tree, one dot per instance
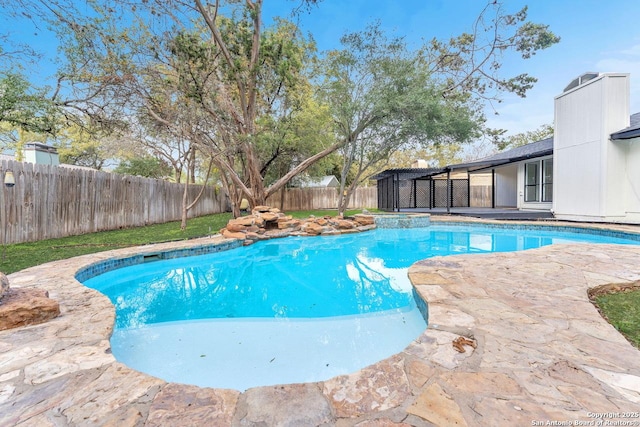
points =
(385, 97)
(219, 80)
(253, 89)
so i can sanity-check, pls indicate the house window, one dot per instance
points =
(538, 181)
(547, 180)
(531, 182)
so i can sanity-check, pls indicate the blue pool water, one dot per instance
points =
(287, 310)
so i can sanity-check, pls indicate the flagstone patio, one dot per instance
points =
(543, 354)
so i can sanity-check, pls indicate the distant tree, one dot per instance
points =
(149, 167)
(512, 141)
(436, 156)
(80, 145)
(23, 107)
(477, 150)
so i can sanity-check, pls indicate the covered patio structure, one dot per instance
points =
(421, 188)
(492, 187)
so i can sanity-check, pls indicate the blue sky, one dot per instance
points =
(596, 36)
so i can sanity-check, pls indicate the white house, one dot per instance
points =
(588, 171)
(39, 153)
(328, 181)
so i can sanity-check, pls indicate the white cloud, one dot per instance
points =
(633, 50)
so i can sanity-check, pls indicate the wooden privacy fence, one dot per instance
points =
(52, 201)
(302, 199)
(480, 196)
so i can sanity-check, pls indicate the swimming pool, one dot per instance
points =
(287, 310)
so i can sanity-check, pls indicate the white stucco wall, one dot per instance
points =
(589, 169)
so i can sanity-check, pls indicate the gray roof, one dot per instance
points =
(408, 173)
(632, 131)
(528, 151)
(524, 152)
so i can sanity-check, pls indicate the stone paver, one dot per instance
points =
(543, 354)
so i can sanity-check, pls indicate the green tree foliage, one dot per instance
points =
(264, 101)
(382, 98)
(47, 112)
(294, 134)
(207, 74)
(436, 156)
(23, 107)
(82, 146)
(148, 166)
(242, 117)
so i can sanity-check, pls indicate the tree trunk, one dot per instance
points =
(256, 183)
(342, 205)
(283, 192)
(192, 164)
(235, 194)
(185, 195)
(185, 198)
(347, 161)
(345, 198)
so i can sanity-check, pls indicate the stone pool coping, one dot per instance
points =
(543, 353)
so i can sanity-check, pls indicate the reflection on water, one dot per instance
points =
(299, 277)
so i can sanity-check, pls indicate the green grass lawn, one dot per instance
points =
(20, 256)
(622, 310)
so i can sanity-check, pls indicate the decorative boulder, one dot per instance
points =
(312, 228)
(234, 226)
(344, 224)
(364, 219)
(321, 221)
(26, 306)
(261, 209)
(233, 234)
(244, 221)
(289, 223)
(270, 216)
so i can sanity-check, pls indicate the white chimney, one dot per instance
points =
(589, 168)
(420, 164)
